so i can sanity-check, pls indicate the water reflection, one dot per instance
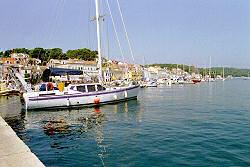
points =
(66, 126)
(64, 129)
(56, 126)
(18, 124)
(65, 121)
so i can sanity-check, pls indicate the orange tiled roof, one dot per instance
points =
(11, 60)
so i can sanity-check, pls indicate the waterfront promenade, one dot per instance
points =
(13, 151)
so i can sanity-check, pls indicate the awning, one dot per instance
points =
(64, 71)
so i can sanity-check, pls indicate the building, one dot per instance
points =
(89, 68)
(8, 61)
(108, 75)
(20, 58)
(151, 73)
(1, 71)
(22, 62)
(121, 70)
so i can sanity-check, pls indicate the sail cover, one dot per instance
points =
(64, 71)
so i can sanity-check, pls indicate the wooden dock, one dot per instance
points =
(13, 151)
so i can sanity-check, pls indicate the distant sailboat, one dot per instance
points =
(247, 78)
(223, 74)
(151, 84)
(197, 78)
(210, 79)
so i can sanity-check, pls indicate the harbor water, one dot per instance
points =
(206, 124)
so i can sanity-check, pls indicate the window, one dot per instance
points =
(100, 88)
(81, 88)
(71, 88)
(91, 88)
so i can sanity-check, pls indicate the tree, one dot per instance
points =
(7, 53)
(63, 57)
(21, 50)
(72, 54)
(82, 54)
(87, 54)
(38, 53)
(54, 53)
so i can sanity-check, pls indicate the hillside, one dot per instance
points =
(235, 72)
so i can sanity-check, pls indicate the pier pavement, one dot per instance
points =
(13, 151)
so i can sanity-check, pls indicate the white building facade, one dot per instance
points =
(89, 68)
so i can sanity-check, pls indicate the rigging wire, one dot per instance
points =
(51, 22)
(102, 39)
(104, 49)
(88, 28)
(116, 34)
(126, 33)
(101, 19)
(108, 47)
(58, 17)
(59, 10)
(89, 42)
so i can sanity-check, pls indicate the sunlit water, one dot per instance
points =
(205, 124)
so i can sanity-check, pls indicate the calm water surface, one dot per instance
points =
(207, 124)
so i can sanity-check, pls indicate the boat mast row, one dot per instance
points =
(98, 41)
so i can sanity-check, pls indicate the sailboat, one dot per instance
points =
(210, 79)
(223, 74)
(247, 78)
(81, 94)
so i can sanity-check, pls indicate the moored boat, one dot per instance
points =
(151, 84)
(196, 81)
(79, 95)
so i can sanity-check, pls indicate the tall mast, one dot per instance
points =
(210, 67)
(223, 74)
(98, 41)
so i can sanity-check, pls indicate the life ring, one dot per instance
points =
(97, 100)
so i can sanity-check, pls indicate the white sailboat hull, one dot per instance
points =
(38, 100)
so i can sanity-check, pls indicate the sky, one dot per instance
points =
(160, 31)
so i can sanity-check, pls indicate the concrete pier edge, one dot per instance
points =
(13, 151)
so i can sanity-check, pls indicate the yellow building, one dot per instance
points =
(135, 75)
